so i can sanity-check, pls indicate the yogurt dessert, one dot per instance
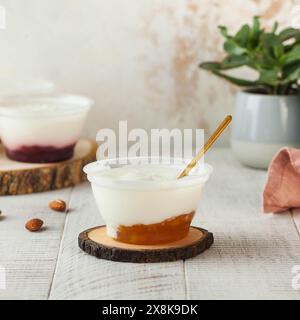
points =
(146, 204)
(41, 130)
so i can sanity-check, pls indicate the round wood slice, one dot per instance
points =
(21, 178)
(95, 242)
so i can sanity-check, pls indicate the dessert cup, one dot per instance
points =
(145, 203)
(42, 129)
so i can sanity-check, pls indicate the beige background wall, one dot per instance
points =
(136, 58)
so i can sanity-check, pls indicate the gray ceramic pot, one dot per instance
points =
(262, 124)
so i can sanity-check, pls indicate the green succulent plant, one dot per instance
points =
(274, 55)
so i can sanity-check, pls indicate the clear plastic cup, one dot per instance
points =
(41, 129)
(146, 210)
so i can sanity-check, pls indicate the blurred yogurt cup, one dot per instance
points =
(41, 129)
(145, 203)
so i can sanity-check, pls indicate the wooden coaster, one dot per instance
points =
(95, 242)
(21, 178)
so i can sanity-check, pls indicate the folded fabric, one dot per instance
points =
(282, 190)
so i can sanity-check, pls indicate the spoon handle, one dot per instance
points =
(207, 145)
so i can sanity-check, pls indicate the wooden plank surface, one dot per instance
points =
(253, 252)
(296, 218)
(80, 276)
(251, 258)
(29, 258)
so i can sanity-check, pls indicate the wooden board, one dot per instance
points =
(254, 253)
(22, 178)
(30, 258)
(95, 242)
(79, 275)
(252, 256)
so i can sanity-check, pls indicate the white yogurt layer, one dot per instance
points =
(40, 109)
(150, 172)
(145, 194)
(42, 124)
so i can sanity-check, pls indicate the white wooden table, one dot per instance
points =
(251, 258)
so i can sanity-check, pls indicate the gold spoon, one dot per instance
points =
(222, 126)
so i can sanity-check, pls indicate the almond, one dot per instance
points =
(58, 205)
(34, 225)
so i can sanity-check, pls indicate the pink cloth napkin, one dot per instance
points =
(282, 190)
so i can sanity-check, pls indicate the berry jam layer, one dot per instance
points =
(168, 230)
(40, 154)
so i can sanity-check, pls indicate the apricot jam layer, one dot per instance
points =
(168, 230)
